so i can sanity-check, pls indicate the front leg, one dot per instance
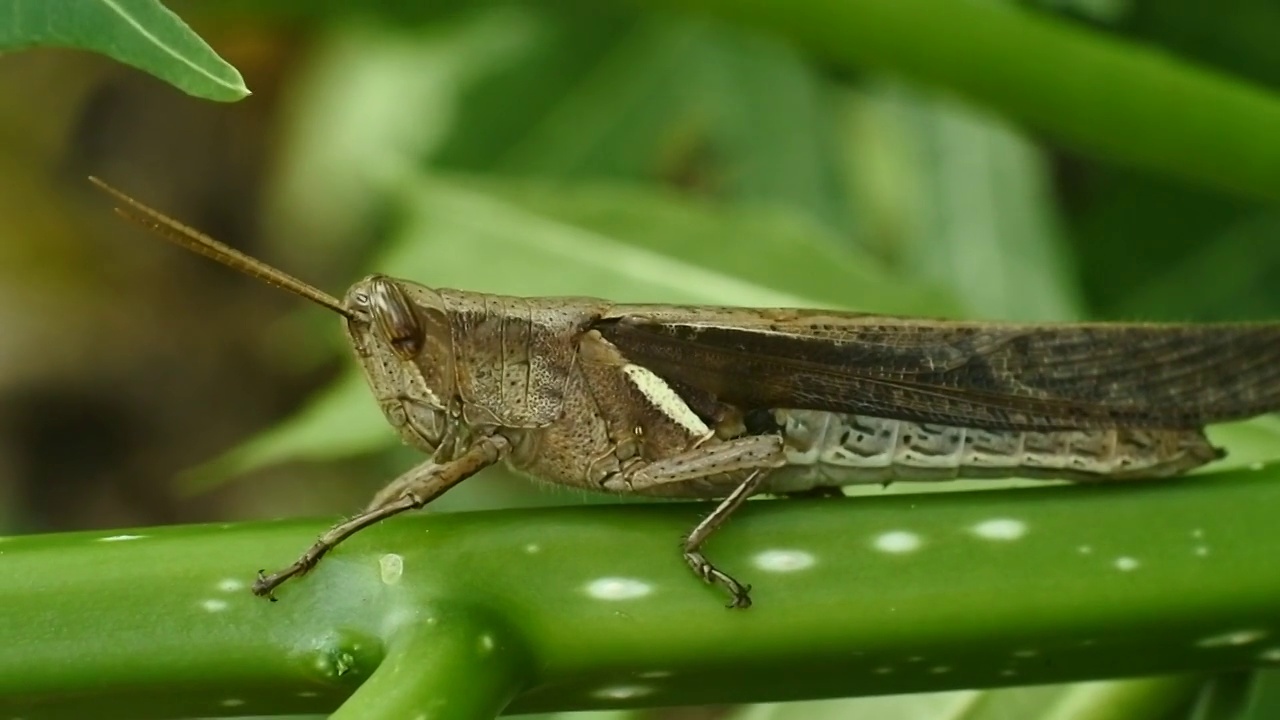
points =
(755, 455)
(414, 489)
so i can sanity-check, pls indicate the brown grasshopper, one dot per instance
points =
(726, 403)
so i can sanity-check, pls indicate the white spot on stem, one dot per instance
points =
(784, 560)
(391, 568)
(1234, 638)
(614, 588)
(898, 541)
(1000, 529)
(229, 585)
(1126, 563)
(623, 692)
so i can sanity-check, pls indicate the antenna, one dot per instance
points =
(198, 242)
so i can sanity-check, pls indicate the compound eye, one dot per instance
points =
(395, 318)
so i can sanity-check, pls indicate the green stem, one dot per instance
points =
(446, 664)
(1100, 95)
(590, 608)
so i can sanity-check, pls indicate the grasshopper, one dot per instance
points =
(726, 403)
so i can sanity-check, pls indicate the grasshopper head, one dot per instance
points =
(401, 336)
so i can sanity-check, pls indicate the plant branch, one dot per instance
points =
(587, 608)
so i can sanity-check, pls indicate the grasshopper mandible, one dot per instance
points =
(726, 403)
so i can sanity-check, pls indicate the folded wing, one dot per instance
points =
(993, 376)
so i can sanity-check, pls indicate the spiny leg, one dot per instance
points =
(393, 490)
(757, 454)
(265, 585)
(418, 486)
(693, 543)
(747, 453)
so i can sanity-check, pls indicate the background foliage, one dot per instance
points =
(711, 152)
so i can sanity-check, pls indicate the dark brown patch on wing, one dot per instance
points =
(994, 376)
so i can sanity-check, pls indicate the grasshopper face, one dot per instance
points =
(401, 337)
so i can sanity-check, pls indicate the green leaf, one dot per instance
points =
(724, 113)
(1113, 100)
(960, 199)
(141, 33)
(1232, 271)
(1228, 696)
(1263, 695)
(370, 100)
(1147, 699)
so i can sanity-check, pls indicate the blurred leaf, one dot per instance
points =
(341, 421)
(335, 12)
(672, 102)
(1240, 40)
(1250, 443)
(1147, 699)
(1263, 700)
(1116, 101)
(1226, 697)
(917, 706)
(1142, 699)
(697, 106)
(1150, 249)
(959, 199)
(766, 245)
(1102, 11)
(141, 33)
(371, 103)
(1232, 274)
(629, 245)
(593, 715)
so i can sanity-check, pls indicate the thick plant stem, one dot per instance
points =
(445, 664)
(592, 607)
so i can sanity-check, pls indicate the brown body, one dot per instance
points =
(726, 403)
(582, 411)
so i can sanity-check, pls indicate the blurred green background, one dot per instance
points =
(640, 151)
